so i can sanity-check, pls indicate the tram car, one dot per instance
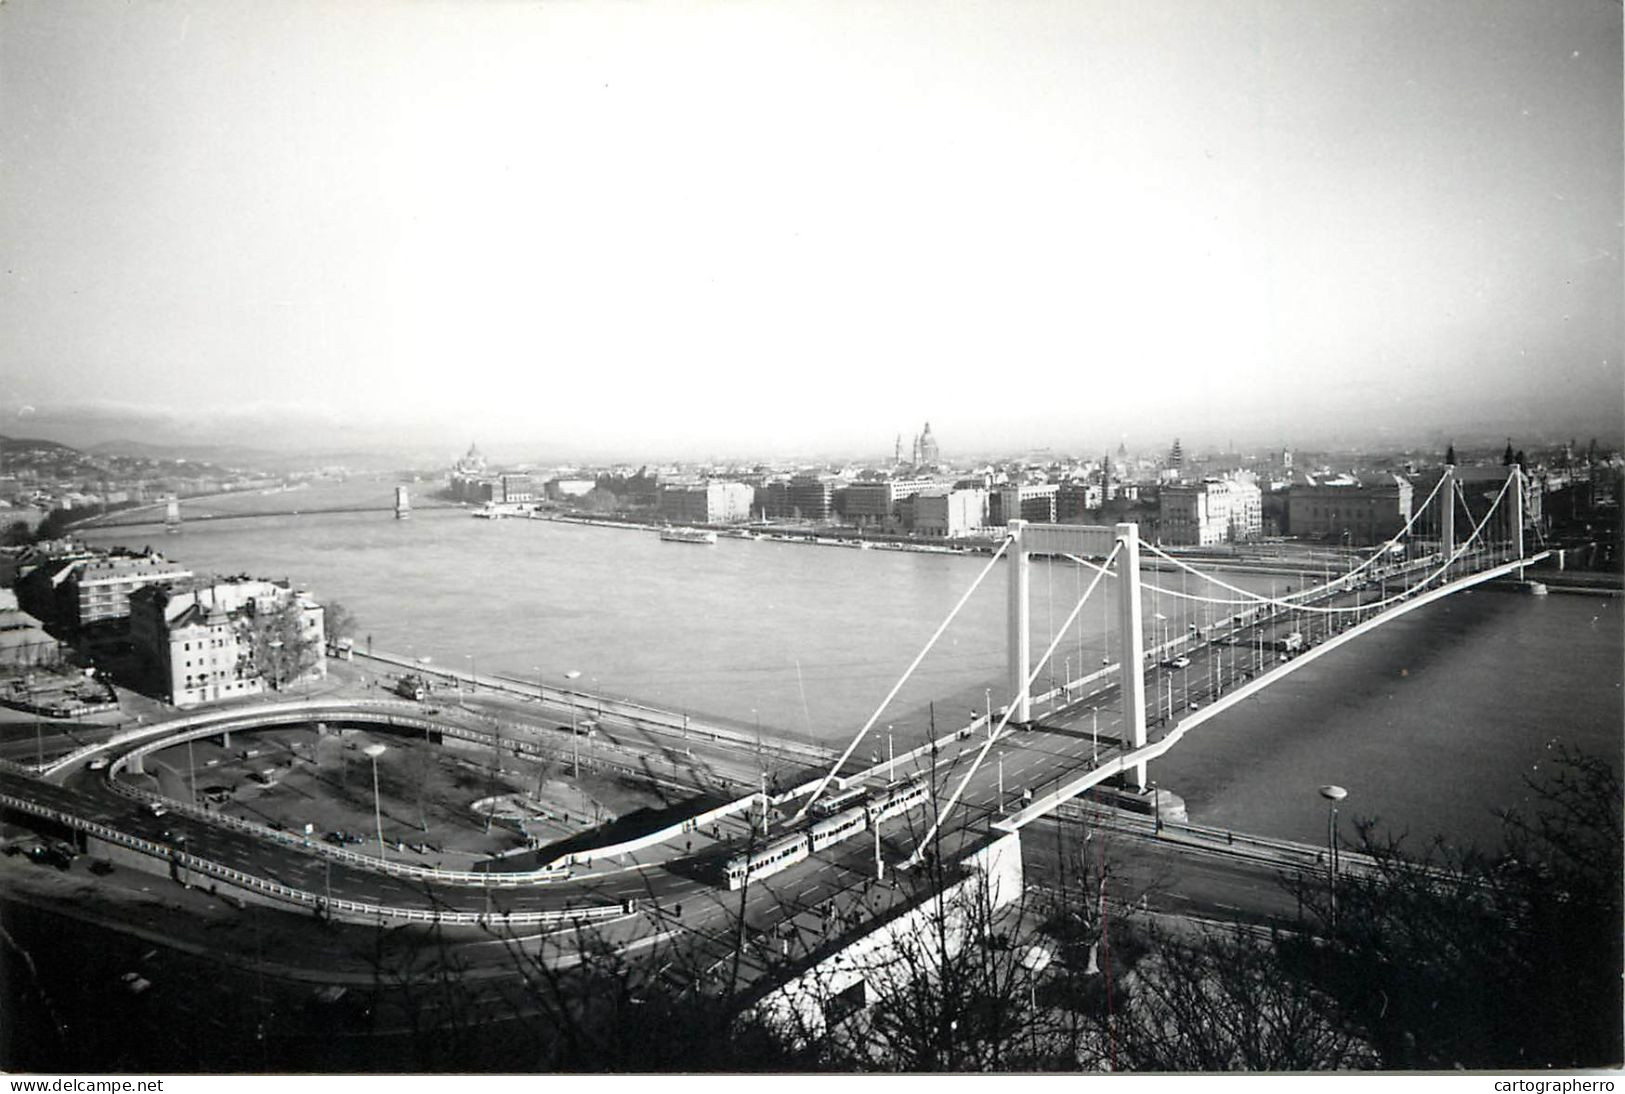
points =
(787, 850)
(837, 803)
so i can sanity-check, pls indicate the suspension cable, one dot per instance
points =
(1010, 710)
(892, 694)
(1397, 537)
(1284, 603)
(1379, 553)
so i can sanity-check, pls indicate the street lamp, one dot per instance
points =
(372, 752)
(473, 673)
(575, 749)
(1333, 795)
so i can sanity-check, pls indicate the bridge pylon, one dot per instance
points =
(1515, 496)
(1447, 516)
(1131, 630)
(1077, 539)
(1020, 634)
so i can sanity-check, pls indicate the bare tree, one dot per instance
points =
(1221, 1001)
(279, 646)
(1511, 960)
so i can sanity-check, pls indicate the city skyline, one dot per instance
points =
(721, 232)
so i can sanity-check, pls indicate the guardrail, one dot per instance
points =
(633, 712)
(289, 894)
(398, 715)
(1125, 761)
(481, 878)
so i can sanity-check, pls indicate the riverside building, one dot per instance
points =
(1211, 512)
(1361, 515)
(219, 641)
(706, 503)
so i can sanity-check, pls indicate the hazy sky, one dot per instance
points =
(723, 227)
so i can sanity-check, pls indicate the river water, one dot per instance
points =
(1431, 723)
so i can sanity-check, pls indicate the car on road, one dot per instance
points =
(1177, 663)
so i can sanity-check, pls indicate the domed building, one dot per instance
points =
(929, 454)
(471, 464)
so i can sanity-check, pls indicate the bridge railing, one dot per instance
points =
(1124, 762)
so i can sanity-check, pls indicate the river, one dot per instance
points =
(1431, 723)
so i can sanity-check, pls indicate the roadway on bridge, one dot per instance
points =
(1063, 744)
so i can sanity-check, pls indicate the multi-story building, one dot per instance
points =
(773, 499)
(100, 589)
(1033, 501)
(212, 641)
(1075, 501)
(516, 488)
(875, 502)
(949, 514)
(808, 498)
(1188, 518)
(1215, 511)
(706, 503)
(1367, 514)
(76, 588)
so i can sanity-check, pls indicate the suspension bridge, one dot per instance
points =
(1251, 641)
(953, 800)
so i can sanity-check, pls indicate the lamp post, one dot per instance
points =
(575, 749)
(1001, 784)
(473, 673)
(761, 758)
(1333, 795)
(372, 752)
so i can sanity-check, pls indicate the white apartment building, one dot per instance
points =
(200, 641)
(1211, 512)
(950, 514)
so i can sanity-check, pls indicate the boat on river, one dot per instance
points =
(688, 535)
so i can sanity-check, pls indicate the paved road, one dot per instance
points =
(830, 887)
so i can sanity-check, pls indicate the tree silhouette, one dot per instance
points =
(1511, 960)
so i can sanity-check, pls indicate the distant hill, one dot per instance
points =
(10, 445)
(237, 455)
